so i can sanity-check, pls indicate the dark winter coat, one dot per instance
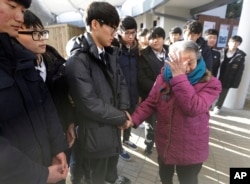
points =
(231, 72)
(56, 82)
(149, 67)
(30, 131)
(216, 61)
(128, 62)
(100, 94)
(206, 53)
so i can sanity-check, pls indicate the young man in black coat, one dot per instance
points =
(32, 142)
(129, 53)
(231, 69)
(192, 31)
(151, 61)
(51, 67)
(211, 36)
(100, 94)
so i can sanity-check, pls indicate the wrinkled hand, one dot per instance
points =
(58, 169)
(128, 122)
(60, 159)
(128, 115)
(57, 173)
(70, 135)
(127, 125)
(176, 64)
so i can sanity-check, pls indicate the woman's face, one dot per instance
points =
(191, 58)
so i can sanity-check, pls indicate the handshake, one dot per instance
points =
(128, 123)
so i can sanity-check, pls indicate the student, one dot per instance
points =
(192, 31)
(100, 94)
(129, 53)
(31, 137)
(175, 34)
(142, 37)
(211, 35)
(50, 65)
(181, 97)
(150, 63)
(231, 69)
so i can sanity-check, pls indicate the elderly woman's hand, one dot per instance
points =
(176, 64)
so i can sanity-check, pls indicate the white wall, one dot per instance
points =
(146, 19)
(164, 22)
(179, 12)
(219, 12)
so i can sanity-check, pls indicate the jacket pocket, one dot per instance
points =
(98, 139)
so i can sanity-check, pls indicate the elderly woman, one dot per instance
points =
(181, 97)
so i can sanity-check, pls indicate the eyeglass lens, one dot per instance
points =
(37, 35)
(128, 33)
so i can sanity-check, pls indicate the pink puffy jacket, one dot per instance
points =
(182, 128)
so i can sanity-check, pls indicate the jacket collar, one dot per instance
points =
(15, 53)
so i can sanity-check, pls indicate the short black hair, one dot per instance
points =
(31, 20)
(102, 11)
(236, 38)
(157, 32)
(193, 26)
(128, 22)
(25, 3)
(211, 32)
(175, 30)
(143, 32)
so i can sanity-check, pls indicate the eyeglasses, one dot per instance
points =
(37, 35)
(128, 33)
(114, 28)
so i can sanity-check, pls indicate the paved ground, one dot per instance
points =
(229, 147)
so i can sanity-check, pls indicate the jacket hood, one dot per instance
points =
(241, 52)
(77, 43)
(85, 43)
(238, 52)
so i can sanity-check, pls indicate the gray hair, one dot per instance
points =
(186, 45)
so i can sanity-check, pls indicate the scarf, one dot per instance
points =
(193, 76)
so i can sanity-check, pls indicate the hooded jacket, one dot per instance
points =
(100, 95)
(182, 129)
(30, 131)
(57, 85)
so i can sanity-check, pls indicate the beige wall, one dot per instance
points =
(164, 22)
